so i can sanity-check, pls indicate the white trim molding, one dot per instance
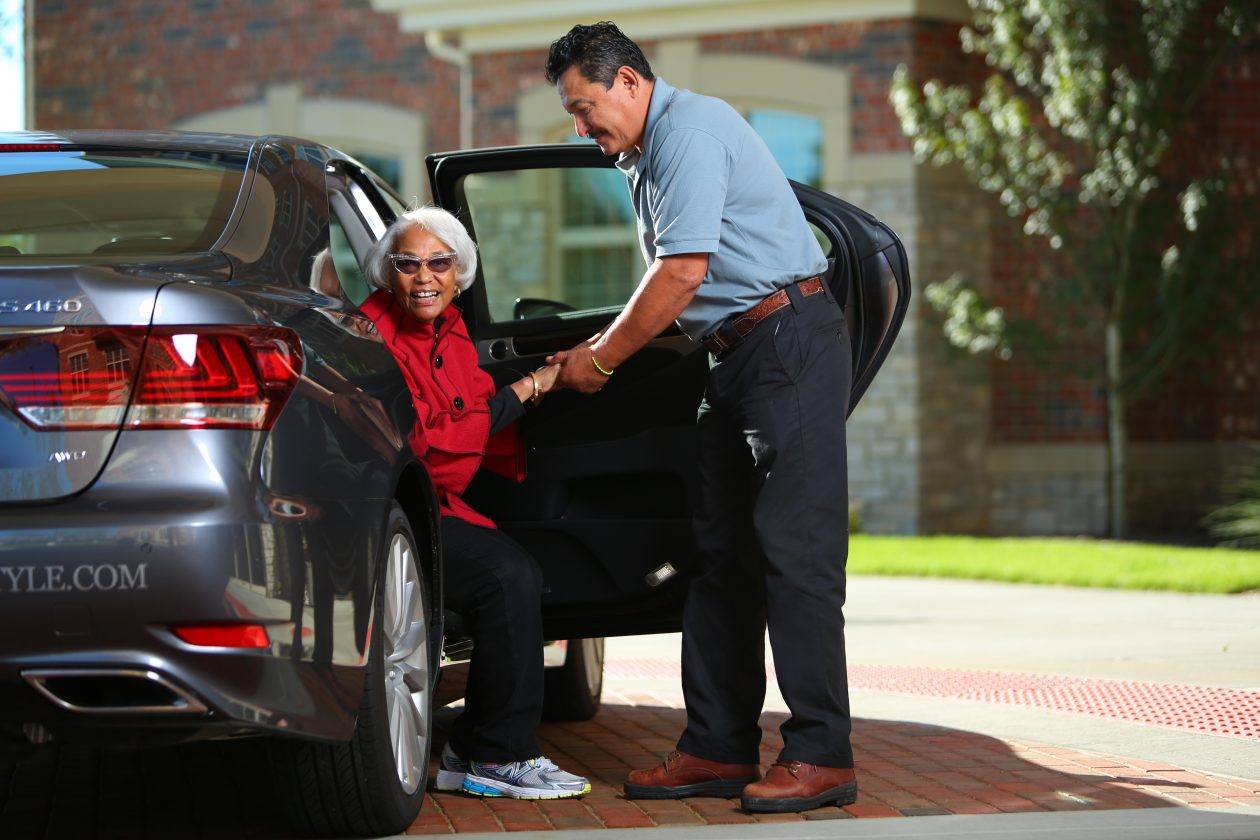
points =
(498, 26)
(353, 126)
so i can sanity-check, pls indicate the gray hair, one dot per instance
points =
(440, 223)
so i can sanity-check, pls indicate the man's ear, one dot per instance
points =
(627, 76)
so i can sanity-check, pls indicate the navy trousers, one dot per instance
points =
(772, 532)
(497, 588)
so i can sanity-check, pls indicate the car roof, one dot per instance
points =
(172, 140)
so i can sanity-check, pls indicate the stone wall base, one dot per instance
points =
(1062, 488)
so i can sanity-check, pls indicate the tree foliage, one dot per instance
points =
(1086, 132)
(1073, 133)
(11, 15)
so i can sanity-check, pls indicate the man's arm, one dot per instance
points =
(665, 290)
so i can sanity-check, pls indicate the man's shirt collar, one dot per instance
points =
(662, 92)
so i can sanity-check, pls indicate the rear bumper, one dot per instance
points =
(91, 584)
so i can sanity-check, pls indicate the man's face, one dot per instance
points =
(614, 118)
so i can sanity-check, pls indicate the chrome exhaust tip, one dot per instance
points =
(112, 691)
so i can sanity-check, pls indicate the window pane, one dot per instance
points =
(794, 139)
(338, 274)
(562, 235)
(126, 202)
(823, 241)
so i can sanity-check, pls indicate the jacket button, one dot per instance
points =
(458, 403)
(437, 361)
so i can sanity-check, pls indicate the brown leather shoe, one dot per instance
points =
(797, 786)
(682, 775)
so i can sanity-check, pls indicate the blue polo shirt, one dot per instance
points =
(707, 183)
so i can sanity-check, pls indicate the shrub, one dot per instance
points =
(1238, 523)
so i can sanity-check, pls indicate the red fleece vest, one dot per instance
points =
(440, 366)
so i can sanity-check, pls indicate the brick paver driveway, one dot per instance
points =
(905, 769)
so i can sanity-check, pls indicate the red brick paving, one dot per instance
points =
(904, 769)
(1196, 708)
(223, 789)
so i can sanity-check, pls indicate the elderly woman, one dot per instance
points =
(420, 266)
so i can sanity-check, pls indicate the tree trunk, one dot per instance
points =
(1117, 436)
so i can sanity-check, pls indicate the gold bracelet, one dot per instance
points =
(600, 367)
(537, 395)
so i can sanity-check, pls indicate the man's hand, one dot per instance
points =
(577, 371)
(668, 286)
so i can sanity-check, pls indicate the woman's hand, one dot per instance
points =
(548, 378)
(545, 377)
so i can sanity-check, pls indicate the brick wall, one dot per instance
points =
(869, 51)
(146, 64)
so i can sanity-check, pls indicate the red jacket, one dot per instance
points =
(451, 436)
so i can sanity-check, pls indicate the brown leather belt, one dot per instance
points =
(733, 329)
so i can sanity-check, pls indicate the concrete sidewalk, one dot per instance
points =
(1166, 639)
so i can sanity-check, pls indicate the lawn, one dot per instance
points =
(1067, 561)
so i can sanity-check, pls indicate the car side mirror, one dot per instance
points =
(536, 307)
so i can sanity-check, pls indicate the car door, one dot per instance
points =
(606, 507)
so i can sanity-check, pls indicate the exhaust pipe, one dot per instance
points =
(112, 691)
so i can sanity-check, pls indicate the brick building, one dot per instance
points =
(941, 443)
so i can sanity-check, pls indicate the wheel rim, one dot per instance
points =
(406, 652)
(593, 650)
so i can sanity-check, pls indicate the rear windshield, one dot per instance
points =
(105, 203)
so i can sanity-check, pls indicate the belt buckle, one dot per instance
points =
(715, 338)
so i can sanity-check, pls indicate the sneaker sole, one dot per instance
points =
(845, 794)
(720, 789)
(481, 786)
(449, 780)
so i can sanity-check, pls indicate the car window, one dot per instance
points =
(554, 240)
(396, 205)
(367, 210)
(823, 240)
(79, 203)
(342, 273)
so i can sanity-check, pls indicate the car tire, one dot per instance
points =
(363, 787)
(572, 691)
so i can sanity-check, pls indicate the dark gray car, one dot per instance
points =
(210, 522)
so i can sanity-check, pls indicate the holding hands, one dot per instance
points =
(536, 384)
(579, 369)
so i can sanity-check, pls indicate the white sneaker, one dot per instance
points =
(536, 778)
(451, 771)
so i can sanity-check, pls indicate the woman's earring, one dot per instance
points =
(457, 291)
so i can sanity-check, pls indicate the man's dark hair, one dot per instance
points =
(597, 51)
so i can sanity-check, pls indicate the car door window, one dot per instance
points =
(342, 269)
(395, 205)
(554, 240)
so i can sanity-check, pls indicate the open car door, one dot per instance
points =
(606, 508)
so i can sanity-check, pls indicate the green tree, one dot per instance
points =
(1082, 132)
(11, 14)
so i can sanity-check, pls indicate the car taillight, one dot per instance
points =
(69, 377)
(179, 377)
(223, 635)
(215, 377)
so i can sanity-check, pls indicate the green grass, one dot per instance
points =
(1070, 562)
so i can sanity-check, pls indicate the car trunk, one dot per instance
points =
(71, 338)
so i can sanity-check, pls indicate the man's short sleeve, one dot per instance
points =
(689, 175)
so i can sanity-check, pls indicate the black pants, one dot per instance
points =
(497, 587)
(772, 530)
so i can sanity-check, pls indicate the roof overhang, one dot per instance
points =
(509, 25)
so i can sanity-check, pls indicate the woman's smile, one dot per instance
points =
(425, 292)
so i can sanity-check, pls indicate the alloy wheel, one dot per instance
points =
(406, 651)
